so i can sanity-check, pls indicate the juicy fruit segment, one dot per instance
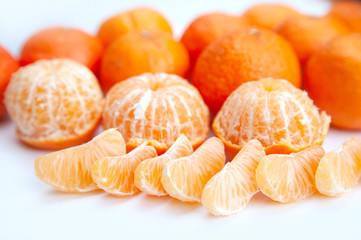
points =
(339, 170)
(115, 175)
(282, 117)
(156, 108)
(184, 178)
(148, 174)
(69, 170)
(286, 178)
(230, 190)
(62, 108)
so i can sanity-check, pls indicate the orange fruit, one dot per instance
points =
(333, 80)
(268, 15)
(115, 175)
(54, 103)
(139, 52)
(339, 170)
(349, 12)
(184, 178)
(8, 65)
(136, 19)
(207, 28)
(307, 34)
(282, 117)
(239, 57)
(286, 178)
(69, 170)
(230, 190)
(156, 108)
(62, 42)
(148, 174)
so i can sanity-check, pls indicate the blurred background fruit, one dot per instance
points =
(139, 52)
(242, 56)
(349, 12)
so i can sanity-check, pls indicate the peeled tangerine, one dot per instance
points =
(339, 170)
(230, 190)
(273, 111)
(148, 174)
(115, 175)
(69, 170)
(54, 103)
(286, 178)
(184, 178)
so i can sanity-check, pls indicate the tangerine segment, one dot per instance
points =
(148, 174)
(54, 103)
(339, 170)
(156, 108)
(230, 190)
(69, 170)
(115, 175)
(184, 178)
(282, 117)
(285, 178)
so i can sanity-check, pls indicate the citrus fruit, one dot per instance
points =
(62, 42)
(140, 52)
(156, 108)
(286, 178)
(282, 117)
(148, 174)
(333, 80)
(207, 28)
(54, 103)
(8, 65)
(136, 19)
(268, 15)
(339, 170)
(349, 12)
(230, 190)
(115, 175)
(239, 57)
(307, 34)
(69, 170)
(184, 178)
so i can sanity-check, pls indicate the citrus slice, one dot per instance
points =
(148, 174)
(230, 190)
(285, 178)
(339, 170)
(69, 170)
(115, 175)
(184, 178)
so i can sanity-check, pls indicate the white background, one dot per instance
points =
(30, 209)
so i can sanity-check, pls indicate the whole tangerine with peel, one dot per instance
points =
(184, 178)
(148, 174)
(230, 190)
(307, 34)
(282, 117)
(54, 103)
(115, 174)
(339, 170)
(140, 52)
(156, 108)
(63, 42)
(287, 178)
(243, 56)
(349, 12)
(8, 65)
(136, 19)
(206, 28)
(333, 80)
(268, 16)
(69, 170)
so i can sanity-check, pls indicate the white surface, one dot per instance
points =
(29, 209)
